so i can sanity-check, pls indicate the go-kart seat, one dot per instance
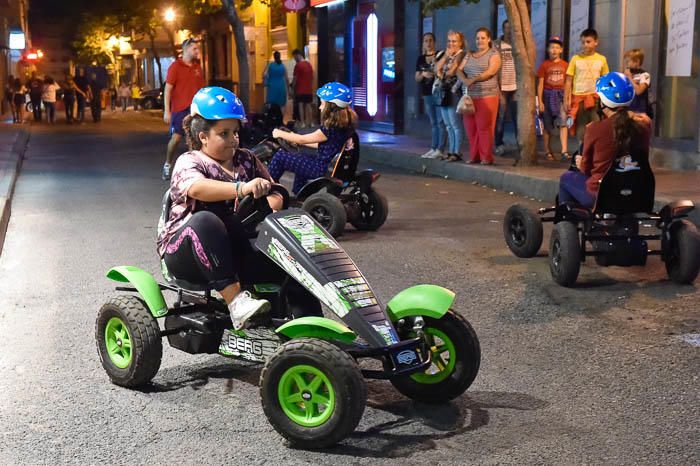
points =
(344, 165)
(184, 284)
(628, 187)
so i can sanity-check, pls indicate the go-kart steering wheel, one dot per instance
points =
(252, 211)
(286, 145)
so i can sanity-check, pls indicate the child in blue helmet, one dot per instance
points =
(337, 126)
(202, 241)
(621, 133)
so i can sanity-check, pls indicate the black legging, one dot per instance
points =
(208, 249)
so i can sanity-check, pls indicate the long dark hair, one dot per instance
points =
(193, 125)
(627, 132)
(487, 31)
(278, 58)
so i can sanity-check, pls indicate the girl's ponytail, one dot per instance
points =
(193, 142)
(626, 132)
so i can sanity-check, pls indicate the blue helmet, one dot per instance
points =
(615, 90)
(337, 93)
(217, 103)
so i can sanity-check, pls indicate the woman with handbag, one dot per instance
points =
(479, 75)
(445, 93)
(425, 77)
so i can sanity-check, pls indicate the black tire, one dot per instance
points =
(522, 231)
(373, 211)
(466, 367)
(683, 261)
(564, 253)
(148, 104)
(328, 211)
(144, 336)
(344, 376)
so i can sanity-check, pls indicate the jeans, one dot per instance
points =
(81, 108)
(36, 106)
(572, 188)
(125, 103)
(50, 111)
(437, 126)
(455, 128)
(507, 104)
(96, 109)
(68, 102)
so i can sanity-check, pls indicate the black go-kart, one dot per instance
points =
(610, 232)
(258, 126)
(312, 386)
(342, 195)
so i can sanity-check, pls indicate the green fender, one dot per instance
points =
(420, 300)
(317, 327)
(146, 285)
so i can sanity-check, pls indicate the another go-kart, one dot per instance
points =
(259, 126)
(612, 228)
(311, 385)
(343, 194)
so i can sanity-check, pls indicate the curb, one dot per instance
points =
(539, 188)
(10, 166)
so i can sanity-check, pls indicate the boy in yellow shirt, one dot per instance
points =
(581, 100)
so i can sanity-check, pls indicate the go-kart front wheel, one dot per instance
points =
(373, 211)
(683, 257)
(456, 356)
(128, 341)
(328, 211)
(564, 253)
(522, 231)
(312, 393)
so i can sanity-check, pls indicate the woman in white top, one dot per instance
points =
(48, 96)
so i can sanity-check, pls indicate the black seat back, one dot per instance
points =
(628, 186)
(166, 204)
(344, 165)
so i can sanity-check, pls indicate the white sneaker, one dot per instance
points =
(244, 306)
(439, 154)
(429, 155)
(166, 171)
(500, 150)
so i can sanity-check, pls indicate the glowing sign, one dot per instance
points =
(17, 41)
(321, 3)
(372, 37)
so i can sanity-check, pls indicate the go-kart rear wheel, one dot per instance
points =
(522, 230)
(564, 253)
(312, 393)
(373, 211)
(683, 260)
(128, 341)
(456, 357)
(328, 211)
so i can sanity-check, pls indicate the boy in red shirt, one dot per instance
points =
(550, 91)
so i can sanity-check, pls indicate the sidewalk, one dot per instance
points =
(540, 182)
(13, 142)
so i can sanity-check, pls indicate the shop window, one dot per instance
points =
(677, 96)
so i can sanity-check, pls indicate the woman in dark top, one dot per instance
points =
(337, 126)
(425, 76)
(446, 69)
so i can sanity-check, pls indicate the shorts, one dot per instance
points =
(19, 99)
(552, 121)
(176, 122)
(554, 115)
(303, 99)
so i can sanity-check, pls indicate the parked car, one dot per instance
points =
(151, 99)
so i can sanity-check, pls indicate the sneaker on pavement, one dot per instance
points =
(244, 306)
(429, 155)
(500, 150)
(166, 171)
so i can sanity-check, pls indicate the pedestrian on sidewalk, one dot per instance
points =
(36, 86)
(184, 79)
(479, 74)
(113, 97)
(550, 93)
(634, 59)
(508, 82)
(95, 88)
(620, 132)
(276, 82)
(19, 92)
(302, 87)
(124, 95)
(425, 76)
(135, 95)
(447, 89)
(48, 96)
(70, 90)
(81, 88)
(581, 100)
(8, 92)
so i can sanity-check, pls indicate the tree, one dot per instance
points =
(92, 44)
(524, 48)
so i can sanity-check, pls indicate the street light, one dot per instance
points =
(169, 15)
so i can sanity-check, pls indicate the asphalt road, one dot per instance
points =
(597, 374)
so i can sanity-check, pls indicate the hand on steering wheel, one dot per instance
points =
(252, 210)
(285, 144)
(258, 187)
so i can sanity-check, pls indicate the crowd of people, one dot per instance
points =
(40, 96)
(473, 91)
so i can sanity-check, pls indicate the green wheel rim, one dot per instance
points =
(118, 342)
(443, 355)
(306, 395)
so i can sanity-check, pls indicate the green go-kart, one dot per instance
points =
(312, 384)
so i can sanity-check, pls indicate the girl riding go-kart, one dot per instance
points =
(337, 126)
(202, 240)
